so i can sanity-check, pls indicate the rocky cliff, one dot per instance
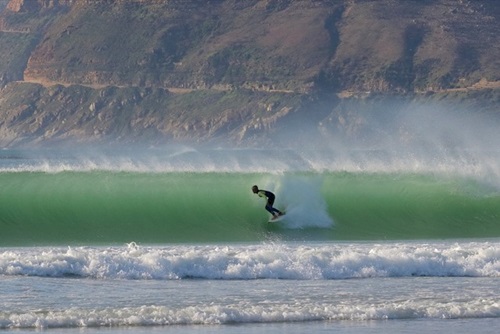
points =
(229, 69)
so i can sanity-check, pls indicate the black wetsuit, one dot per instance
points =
(270, 201)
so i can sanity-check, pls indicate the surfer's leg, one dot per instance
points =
(269, 207)
(273, 210)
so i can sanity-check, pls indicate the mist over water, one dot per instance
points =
(382, 138)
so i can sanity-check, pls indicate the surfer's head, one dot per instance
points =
(255, 189)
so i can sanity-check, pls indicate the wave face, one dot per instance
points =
(103, 206)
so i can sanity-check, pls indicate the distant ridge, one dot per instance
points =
(227, 69)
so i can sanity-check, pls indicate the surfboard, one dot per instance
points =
(280, 218)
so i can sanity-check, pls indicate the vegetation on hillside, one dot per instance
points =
(240, 70)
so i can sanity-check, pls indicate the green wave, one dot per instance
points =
(101, 207)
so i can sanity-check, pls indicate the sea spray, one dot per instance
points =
(478, 163)
(304, 202)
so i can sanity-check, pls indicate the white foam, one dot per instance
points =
(432, 298)
(247, 312)
(293, 262)
(242, 311)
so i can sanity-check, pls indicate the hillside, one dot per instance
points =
(229, 70)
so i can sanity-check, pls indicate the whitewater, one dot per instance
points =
(291, 287)
(137, 241)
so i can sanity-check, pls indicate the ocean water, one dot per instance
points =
(174, 240)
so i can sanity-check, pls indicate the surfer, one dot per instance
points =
(270, 201)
